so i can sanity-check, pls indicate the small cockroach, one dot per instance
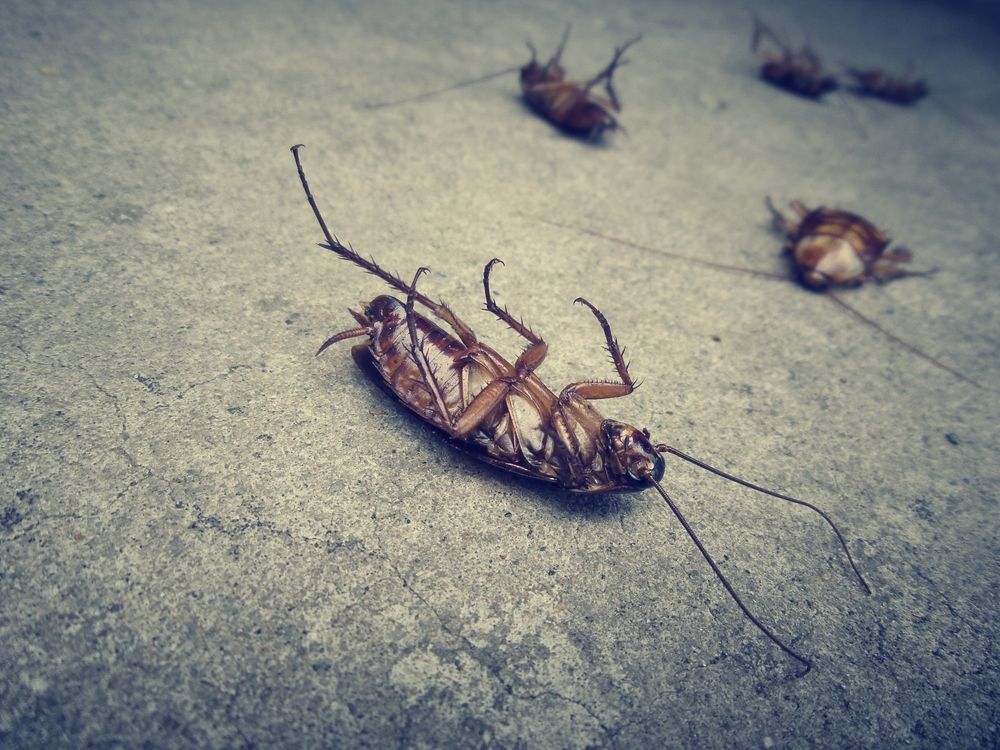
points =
(799, 72)
(571, 106)
(898, 90)
(830, 247)
(502, 413)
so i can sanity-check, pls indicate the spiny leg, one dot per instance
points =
(531, 357)
(568, 445)
(490, 397)
(416, 347)
(332, 243)
(605, 389)
(477, 410)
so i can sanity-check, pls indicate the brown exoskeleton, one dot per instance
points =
(830, 247)
(502, 413)
(877, 83)
(571, 106)
(799, 72)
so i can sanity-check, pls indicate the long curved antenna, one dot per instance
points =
(725, 475)
(892, 337)
(667, 253)
(725, 582)
(436, 92)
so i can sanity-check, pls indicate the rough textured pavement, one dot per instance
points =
(210, 538)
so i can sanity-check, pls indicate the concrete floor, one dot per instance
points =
(211, 538)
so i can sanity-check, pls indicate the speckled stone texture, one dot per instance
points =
(211, 538)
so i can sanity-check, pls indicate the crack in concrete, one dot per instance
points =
(220, 376)
(120, 415)
(479, 655)
(608, 731)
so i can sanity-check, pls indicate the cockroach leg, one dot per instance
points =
(885, 269)
(603, 389)
(532, 357)
(557, 55)
(608, 72)
(778, 220)
(417, 349)
(722, 578)
(480, 407)
(502, 312)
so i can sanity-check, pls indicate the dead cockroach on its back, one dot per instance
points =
(798, 72)
(502, 413)
(830, 247)
(572, 106)
(877, 83)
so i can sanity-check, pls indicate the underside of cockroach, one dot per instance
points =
(830, 247)
(502, 412)
(517, 423)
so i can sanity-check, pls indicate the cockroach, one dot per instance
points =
(877, 83)
(503, 414)
(829, 249)
(571, 106)
(798, 72)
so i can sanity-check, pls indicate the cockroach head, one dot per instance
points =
(635, 454)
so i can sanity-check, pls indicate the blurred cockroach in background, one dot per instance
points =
(502, 413)
(828, 248)
(877, 83)
(798, 72)
(571, 106)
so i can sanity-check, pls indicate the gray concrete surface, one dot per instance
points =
(210, 538)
